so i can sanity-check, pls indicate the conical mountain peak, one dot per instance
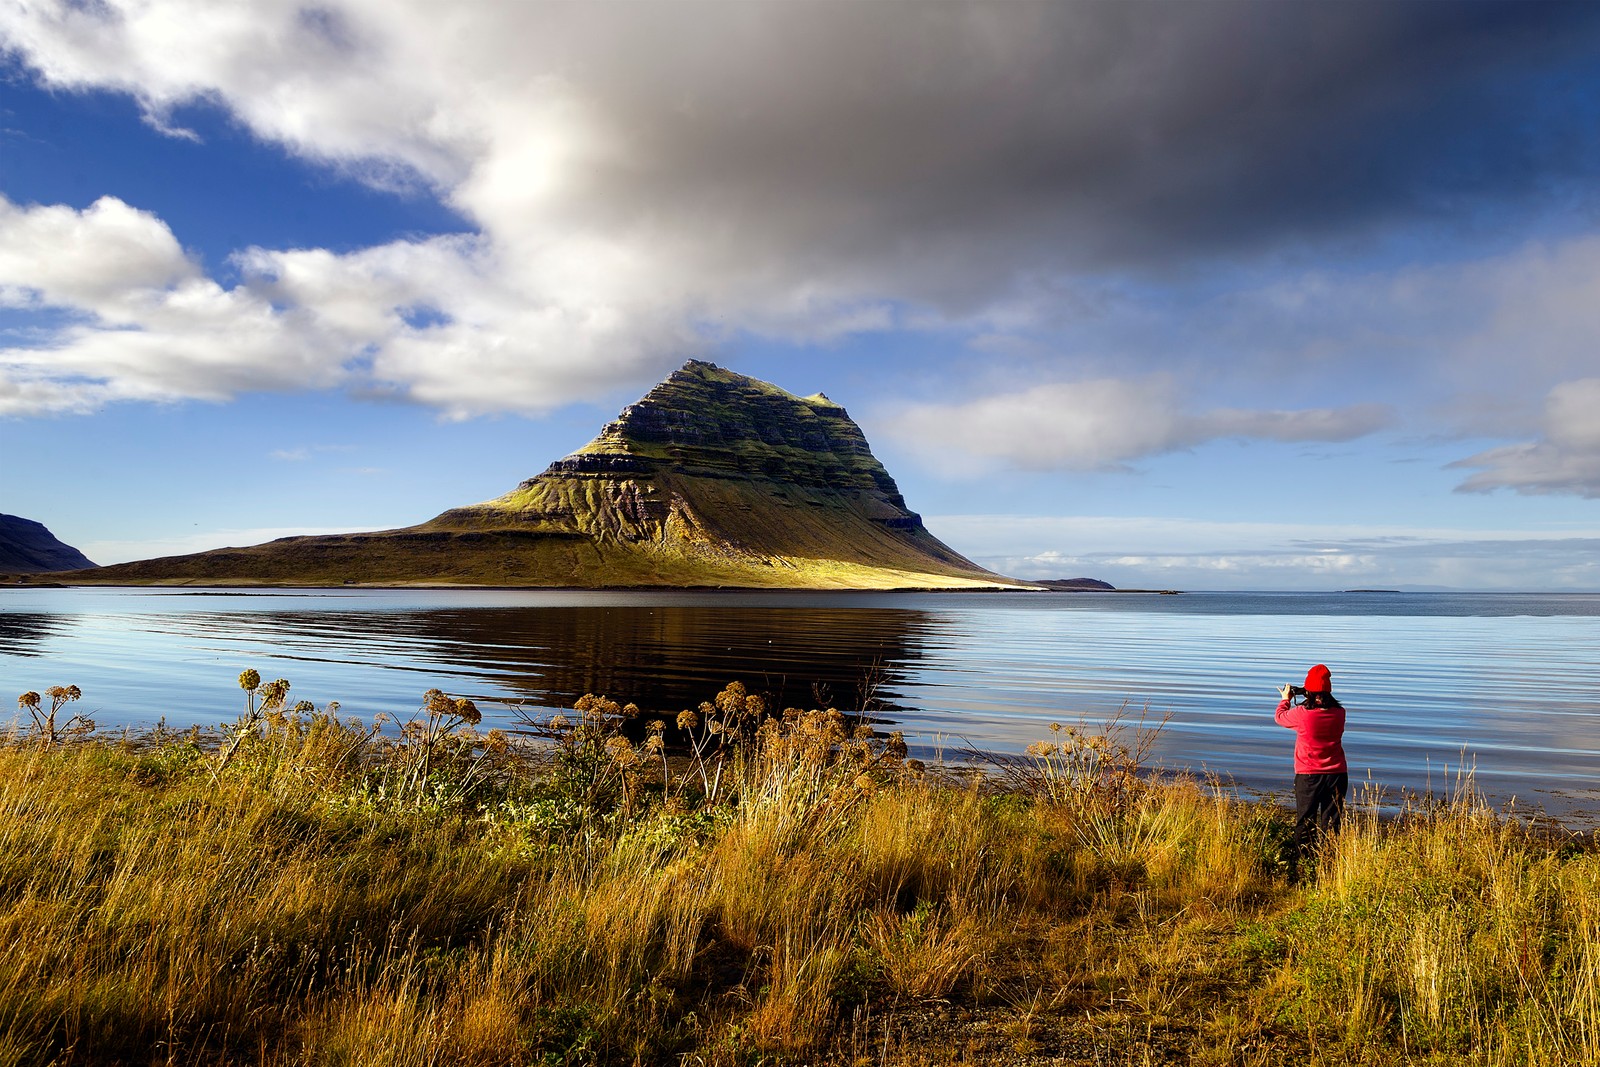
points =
(705, 421)
(714, 471)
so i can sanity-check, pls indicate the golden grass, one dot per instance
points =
(834, 904)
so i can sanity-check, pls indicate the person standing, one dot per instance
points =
(1321, 776)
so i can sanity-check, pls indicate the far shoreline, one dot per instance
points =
(6, 582)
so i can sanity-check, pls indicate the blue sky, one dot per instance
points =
(1198, 295)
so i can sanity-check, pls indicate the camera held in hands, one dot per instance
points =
(1292, 692)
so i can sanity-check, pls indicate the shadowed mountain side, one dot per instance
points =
(28, 547)
(712, 479)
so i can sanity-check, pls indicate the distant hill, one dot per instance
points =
(28, 547)
(1077, 585)
(712, 479)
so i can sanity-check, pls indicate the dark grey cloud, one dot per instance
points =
(953, 146)
(905, 150)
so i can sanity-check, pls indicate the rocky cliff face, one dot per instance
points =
(712, 479)
(27, 547)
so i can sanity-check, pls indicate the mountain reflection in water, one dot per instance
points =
(27, 633)
(663, 658)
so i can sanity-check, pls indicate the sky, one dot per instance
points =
(1189, 295)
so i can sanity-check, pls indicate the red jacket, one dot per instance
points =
(1316, 737)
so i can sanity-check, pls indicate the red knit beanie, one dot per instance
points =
(1318, 680)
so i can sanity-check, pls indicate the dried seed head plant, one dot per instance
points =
(594, 763)
(443, 734)
(45, 727)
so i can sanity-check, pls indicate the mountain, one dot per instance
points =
(28, 547)
(712, 479)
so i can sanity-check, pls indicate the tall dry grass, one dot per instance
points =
(785, 888)
(1452, 934)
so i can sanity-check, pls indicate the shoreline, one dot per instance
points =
(5, 584)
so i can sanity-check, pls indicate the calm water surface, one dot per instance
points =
(1503, 682)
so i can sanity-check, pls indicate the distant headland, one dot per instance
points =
(28, 547)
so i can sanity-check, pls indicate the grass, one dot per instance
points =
(736, 887)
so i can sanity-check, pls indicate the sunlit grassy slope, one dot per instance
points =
(713, 479)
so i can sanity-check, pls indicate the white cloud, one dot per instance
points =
(1161, 553)
(346, 85)
(1311, 424)
(1496, 346)
(95, 259)
(1479, 341)
(451, 323)
(443, 321)
(1566, 459)
(1104, 424)
(300, 453)
(646, 179)
(145, 323)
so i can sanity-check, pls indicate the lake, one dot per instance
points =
(1503, 683)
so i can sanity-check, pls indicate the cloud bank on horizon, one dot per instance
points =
(1144, 227)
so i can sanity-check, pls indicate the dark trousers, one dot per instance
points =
(1319, 803)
